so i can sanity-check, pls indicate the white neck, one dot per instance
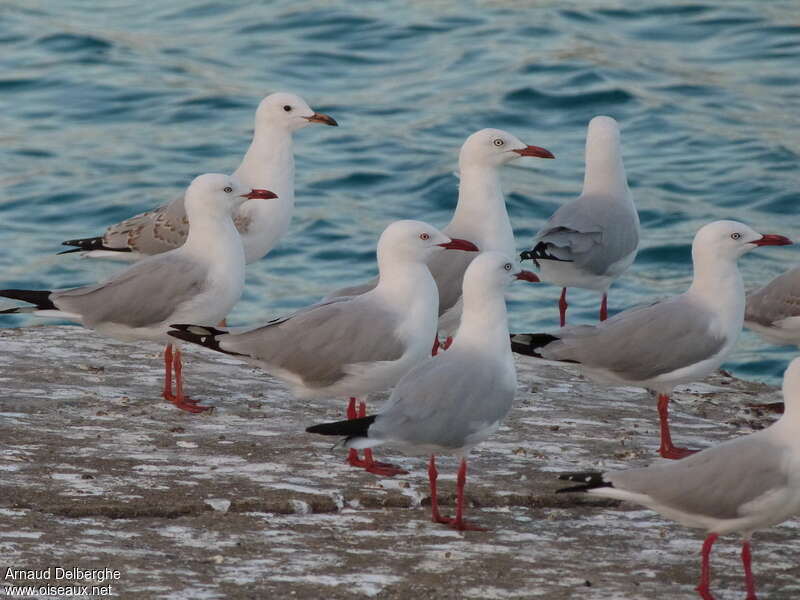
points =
(269, 162)
(213, 236)
(481, 216)
(605, 173)
(484, 320)
(718, 283)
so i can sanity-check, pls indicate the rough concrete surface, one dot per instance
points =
(97, 471)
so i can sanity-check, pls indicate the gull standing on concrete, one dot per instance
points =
(591, 241)
(743, 485)
(268, 164)
(199, 281)
(480, 217)
(454, 401)
(351, 345)
(678, 340)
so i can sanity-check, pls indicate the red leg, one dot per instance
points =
(370, 464)
(604, 307)
(667, 449)
(180, 400)
(705, 572)
(435, 349)
(352, 455)
(748, 574)
(168, 373)
(432, 475)
(448, 342)
(459, 522)
(562, 307)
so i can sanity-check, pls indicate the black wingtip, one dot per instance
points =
(40, 298)
(350, 428)
(202, 336)
(69, 251)
(89, 244)
(589, 480)
(529, 343)
(540, 252)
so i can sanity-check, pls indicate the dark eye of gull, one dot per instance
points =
(424, 236)
(287, 108)
(228, 189)
(736, 236)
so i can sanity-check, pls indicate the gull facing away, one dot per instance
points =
(351, 345)
(745, 484)
(675, 341)
(592, 240)
(451, 402)
(268, 164)
(199, 281)
(480, 216)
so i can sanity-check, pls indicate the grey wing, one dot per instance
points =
(716, 482)
(353, 290)
(145, 294)
(159, 230)
(448, 270)
(777, 300)
(446, 400)
(642, 343)
(321, 343)
(595, 232)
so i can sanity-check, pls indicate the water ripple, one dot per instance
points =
(109, 113)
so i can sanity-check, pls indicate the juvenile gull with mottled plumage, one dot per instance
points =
(268, 164)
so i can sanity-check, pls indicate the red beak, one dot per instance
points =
(322, 118)
(772, 240)
(457, 244)
(262, 194)
(534, 151)
(527, 276)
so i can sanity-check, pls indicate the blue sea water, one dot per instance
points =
(110, 109)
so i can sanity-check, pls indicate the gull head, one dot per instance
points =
(416, 241)
(495, 270)
(731, 239)
(289, 112)
(495, 147)
(603, 133)
(214, 192)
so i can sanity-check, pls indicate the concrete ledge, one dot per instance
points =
(97, 471)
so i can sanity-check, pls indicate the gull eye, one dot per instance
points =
(508, 266)
(287, 108)
(736, 236)
(498, 142)
(227, 189)
(424, 236)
